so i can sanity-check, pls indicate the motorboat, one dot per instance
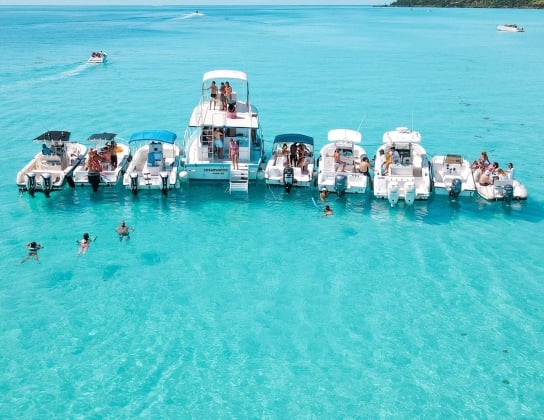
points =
(155, 161)
(452, 175)
(401, 168)
(510, 27)
(497, 187)
(53, 166)
(338, 163)
(105, 164)
(219, 122)
(291, 162)
(98, 57)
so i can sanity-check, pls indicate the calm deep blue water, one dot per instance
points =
(255, 306)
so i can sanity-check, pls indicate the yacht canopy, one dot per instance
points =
(102, 137)
(224, 75)
(54, 136)
(157, 135)
(344, 134)
(294, 138)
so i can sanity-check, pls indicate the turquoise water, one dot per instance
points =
(254, 305)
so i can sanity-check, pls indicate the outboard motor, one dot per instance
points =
(164, 182)
(288, 178)
(340, 184)
(94, 179)
(31, 183)
(393, 193)
(455, 187)
(508, 193)
(409, 193)
(46, 183)
(134, 182)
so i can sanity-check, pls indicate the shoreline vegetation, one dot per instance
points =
(496, 4)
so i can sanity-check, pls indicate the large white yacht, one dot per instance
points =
(223, 141)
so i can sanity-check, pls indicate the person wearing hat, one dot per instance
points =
(323, 194)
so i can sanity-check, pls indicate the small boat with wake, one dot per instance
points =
(510, 27)
(52, 168)
(98, 57)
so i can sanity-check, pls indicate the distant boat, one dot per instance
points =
(98, 57)
(510, 27)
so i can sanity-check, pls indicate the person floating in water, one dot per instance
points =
(84, 243)
(327, 211)
(33, 248)
(124, 231)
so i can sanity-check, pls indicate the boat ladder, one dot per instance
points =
(239, 178)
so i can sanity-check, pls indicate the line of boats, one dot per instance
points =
(223, 142)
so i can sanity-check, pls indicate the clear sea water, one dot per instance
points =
(255, 306)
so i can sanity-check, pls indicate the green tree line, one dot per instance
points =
(512, 4)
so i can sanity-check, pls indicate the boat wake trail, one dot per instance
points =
(191, 15)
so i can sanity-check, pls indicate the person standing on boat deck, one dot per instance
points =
(218, 142)
(213, 94)
(380, 161)
(113, 154)
(124, 231)
(33, 248)
(395, 157)
(222, 89)
(510, 170)
(233, 153)
(293, 157)
(228, 91)
(364, 166)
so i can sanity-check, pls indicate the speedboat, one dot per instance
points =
(98, 57)
(452, 175)
(401, 168)
(219, 123)
(338, 163)
(292, 161)
(53, 166)
(155, 161)
(106, 162)
(510, 27)
(500, 187)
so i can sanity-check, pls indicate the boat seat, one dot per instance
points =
(406, 161)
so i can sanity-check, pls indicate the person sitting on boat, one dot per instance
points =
(46, 150)
(284, 150)
(395, 156)
(485, 178)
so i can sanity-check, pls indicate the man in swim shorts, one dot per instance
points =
(124, 231)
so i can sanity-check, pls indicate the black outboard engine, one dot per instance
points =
(94, 179)
(31, 183)
(46, 183)
(455, 188)
(288, 178)
(134, 182)
(164, 182)
(508, 193)
(340, 182)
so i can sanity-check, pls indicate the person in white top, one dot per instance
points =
(510, 171)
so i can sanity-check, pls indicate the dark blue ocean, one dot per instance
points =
(253, 305)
